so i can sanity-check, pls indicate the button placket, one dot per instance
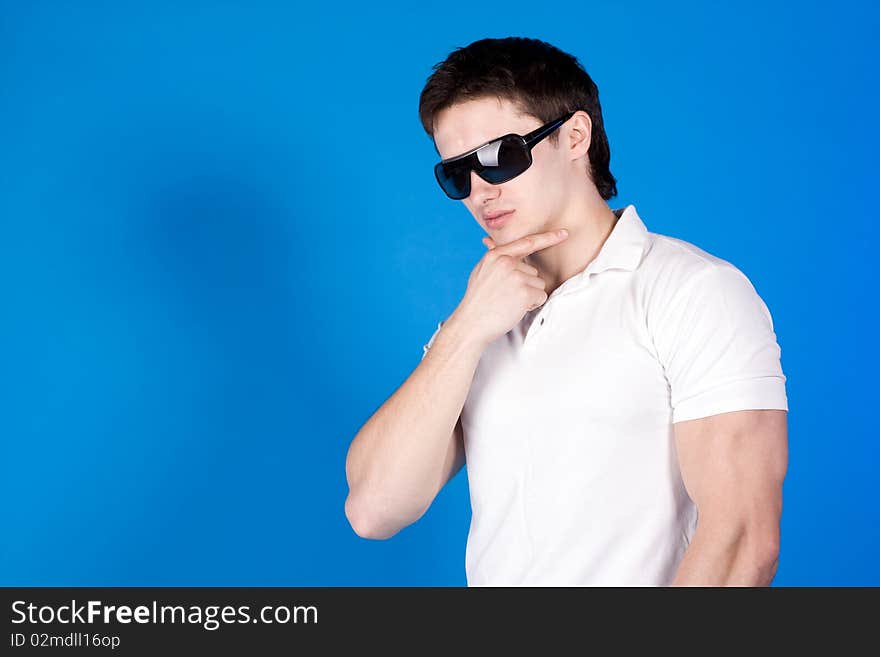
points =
(545, 314)
(539, 321)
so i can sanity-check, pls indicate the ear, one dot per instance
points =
(580, 133)
(489, 243)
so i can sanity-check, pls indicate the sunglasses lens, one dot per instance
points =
(495, 163)
(455, 179)
(512, 159)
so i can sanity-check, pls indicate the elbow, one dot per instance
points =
(378, 513)
(765, 558)
(769, 550)
(759, 555)
(365, 522)
(750, 545)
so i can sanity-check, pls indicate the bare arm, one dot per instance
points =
(412, 445)
(733, 466)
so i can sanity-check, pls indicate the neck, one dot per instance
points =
(589, 222)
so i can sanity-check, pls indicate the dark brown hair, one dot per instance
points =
(541, 80)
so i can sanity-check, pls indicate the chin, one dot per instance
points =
(517, 232)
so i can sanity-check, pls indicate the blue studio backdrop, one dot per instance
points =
(223, 248)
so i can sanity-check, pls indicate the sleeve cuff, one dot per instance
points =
(748, 394)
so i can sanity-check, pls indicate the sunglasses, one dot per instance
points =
(497, 161)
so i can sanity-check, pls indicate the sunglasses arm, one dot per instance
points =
(534, 137)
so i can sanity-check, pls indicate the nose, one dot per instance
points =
(481, 190)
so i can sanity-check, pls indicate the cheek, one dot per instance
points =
(535, 188)
(526, 185)
(553, 187)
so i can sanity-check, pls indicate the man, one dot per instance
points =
(616, 394)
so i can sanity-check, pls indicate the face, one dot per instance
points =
(536, 196)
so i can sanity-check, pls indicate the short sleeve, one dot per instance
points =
(715, 340)
(426, 347)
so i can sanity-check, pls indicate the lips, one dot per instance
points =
(498, 219)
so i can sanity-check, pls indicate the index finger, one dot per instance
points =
(531, 243)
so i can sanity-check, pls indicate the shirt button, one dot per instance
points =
(542, 320)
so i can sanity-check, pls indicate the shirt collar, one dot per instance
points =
(622, 249)
(625, 246)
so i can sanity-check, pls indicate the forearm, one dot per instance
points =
(727, 558)
(396, 462)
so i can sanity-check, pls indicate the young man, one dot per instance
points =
(605, 387)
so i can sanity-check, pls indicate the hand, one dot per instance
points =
(502, 288)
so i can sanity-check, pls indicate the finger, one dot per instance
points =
(536, 281)
(540, 302)
(531, 243)
(526, 268)
(489, 243)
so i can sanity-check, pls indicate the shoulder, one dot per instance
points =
(711, 332)
(673, 268)
(682, 284)
(673, 258)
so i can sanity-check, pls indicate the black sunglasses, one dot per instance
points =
(496, 161)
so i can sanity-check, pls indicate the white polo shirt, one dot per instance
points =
(571, 461)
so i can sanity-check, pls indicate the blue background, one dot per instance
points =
(222, 249)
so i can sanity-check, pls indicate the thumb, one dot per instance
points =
(489, 243)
